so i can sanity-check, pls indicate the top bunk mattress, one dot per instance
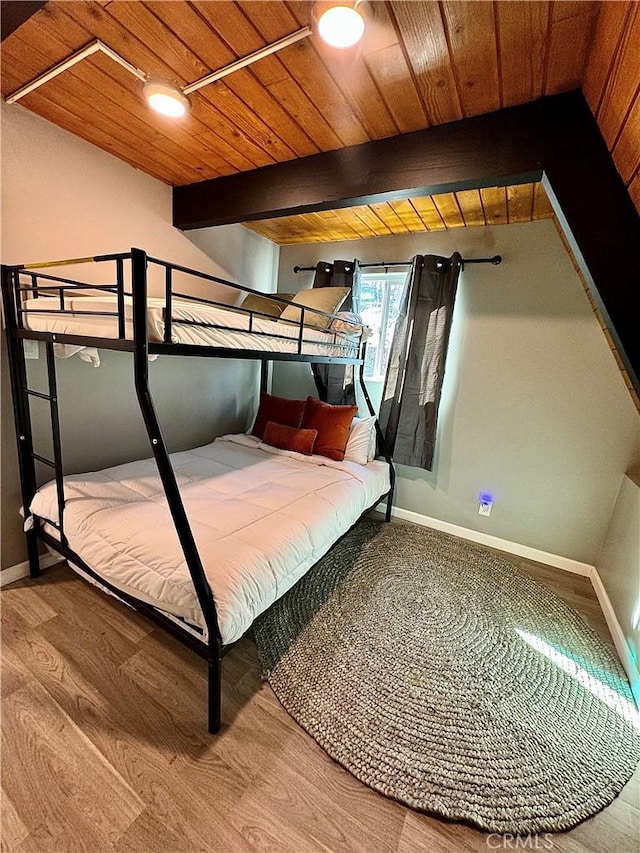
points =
(219, 327)
(261, 518)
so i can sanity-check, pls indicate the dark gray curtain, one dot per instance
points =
(413, 383)
(336, 382)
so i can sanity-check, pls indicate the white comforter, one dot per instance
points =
(261, 517)
(228, 328)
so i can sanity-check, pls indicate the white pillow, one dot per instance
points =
(347, 323)
(361, 446)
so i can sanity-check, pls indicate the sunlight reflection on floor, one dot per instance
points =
(620, 704)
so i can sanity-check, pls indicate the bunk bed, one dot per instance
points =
(233, 524)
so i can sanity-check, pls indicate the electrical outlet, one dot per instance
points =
(484, 507)
(31, 348)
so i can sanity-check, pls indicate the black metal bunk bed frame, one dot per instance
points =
(139, 345)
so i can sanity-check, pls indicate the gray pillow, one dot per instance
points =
(265, 304)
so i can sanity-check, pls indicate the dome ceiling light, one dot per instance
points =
(340, 25)
(165, 98)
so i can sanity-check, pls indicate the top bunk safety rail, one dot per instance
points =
(23, 284)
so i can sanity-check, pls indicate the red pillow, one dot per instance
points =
(332, 423)
(280, 410)
(289, 438)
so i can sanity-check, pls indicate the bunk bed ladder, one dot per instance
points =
(27, 456)
(172, 492)
(21, 411)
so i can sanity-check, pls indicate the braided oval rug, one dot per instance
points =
(443, 677)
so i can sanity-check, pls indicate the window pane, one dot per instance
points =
(370, 360)
(395, 298)
(369, 304)
(375, 313)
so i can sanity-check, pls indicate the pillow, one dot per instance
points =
(347, 323)
(332, 423)
(290, 438)
(327, 299)
(280, 410)
(265, 304)
(361, 446)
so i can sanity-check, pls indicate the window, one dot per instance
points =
(379, 298)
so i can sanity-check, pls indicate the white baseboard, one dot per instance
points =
(619, 639)
(529, 553)
(16, 573)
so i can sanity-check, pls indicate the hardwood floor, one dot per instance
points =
(104, 747)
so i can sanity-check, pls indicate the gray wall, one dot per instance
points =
(618, 565)
(196, 400)
(248, 256)
(62, 197)
(533, 408)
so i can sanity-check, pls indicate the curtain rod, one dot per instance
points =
(496, 259)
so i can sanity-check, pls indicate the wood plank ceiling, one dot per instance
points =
(491, 206)
(420, 64)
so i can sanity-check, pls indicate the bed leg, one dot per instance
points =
(32, 554)
(387, 515)
(214, 673)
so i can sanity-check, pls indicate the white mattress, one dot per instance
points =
(261, 517)
(232, 327)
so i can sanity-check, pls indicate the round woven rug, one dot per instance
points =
(442, 676)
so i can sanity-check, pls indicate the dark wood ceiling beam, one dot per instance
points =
(600, 222)
(490, 150)
(555, 136)
(15, 14)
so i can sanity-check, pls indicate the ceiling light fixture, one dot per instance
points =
(165, 98)
(340, 25)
